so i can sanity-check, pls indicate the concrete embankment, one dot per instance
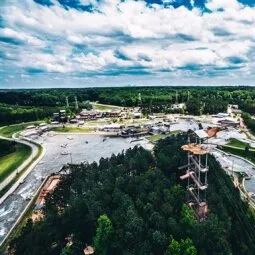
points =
(244, 193)
(30, 163)
(22, 215)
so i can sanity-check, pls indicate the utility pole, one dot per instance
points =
(233, 167)
(67, 102)
(139, 100)
(202, 108)
(76, 103)
(71, 158)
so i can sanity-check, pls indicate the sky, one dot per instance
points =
(95, 43)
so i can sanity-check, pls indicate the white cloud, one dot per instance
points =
(223, 4)
(88, 2)
(20, 36)
(152, 38)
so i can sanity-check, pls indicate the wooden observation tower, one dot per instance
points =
(196, 173)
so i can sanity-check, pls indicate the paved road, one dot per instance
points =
(30, 159)
(34, 148)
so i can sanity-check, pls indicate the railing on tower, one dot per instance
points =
(195, 172)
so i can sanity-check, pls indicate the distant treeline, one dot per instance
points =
(12, 114)
(249, 121)
(199, 100)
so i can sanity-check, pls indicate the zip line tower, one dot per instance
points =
(176, 97)
(139, 100)
(76, 103)
(196, 173)
(67, 102)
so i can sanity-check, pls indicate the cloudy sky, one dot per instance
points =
(65, 43)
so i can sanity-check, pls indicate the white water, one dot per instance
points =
(53, 162)
(96, 148)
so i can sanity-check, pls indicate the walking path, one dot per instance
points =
(238, 148)
(240, 186)
(10, 177)
(28, 161)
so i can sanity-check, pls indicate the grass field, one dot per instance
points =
(73, 129)
(155, 138)
(250, 155)
(236, 143)
(103, 107)
(40, 150)
(8, 131)
(237, 147)
(11, 161)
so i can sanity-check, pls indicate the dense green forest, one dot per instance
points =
(30, 105)
(134, 203)
(250, 122)
(7, 147)
(12, 114)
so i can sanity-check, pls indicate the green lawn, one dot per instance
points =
(40, 150)
(155, 138)
(103, 107)
(140, 121)
(237, 147)
(16, 231)
(250, 155)
(11, 161)
(236, 143)
(73, 129)
(8, 131)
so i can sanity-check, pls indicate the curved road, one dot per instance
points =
(30, 159)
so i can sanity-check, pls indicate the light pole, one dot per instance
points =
(71, 157)
(233, 167)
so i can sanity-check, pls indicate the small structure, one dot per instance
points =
(177, 106)
(213, 131)
(29, 133)
(49, 186)
(234, 111)
(88, 115)
(112, 128)
(62, 116)
(30, 127)
(137, 115)
(37, 215)
(221, 115)
(89, 250)
(54, 123)
(154, 130)
(196, 173)
(152, 117)
(73, 121)
(229, 122)
(114, 113)
(59, 116)
(44, 128)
